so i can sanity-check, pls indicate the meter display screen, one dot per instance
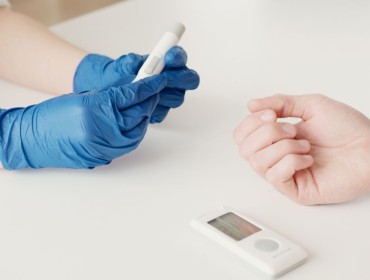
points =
(234, 226)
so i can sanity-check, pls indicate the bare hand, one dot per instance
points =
(325, 158)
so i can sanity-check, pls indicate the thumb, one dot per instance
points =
(176, 57)
(298, 106)
(135, 93)
(129, 64)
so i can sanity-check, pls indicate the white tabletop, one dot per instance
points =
(130, 219)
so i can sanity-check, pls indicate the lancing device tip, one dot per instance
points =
(154, 64)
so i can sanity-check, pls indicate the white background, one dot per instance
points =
(130, 220)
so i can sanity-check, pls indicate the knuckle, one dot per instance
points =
(291, 160)
(133, 57)
(243, 152)
(237, 136)
(279, 96)
(318, 96)
(271, 177)
(289, 146)
(285, 145)
(256, 164)
(280, 100)
(271, 129)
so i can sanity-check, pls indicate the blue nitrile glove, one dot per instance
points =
(79, 130)
(97, 71)
(179, 78)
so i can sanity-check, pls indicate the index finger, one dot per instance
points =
(251, 123)
(299, 106)
(135, 93)
(183, 78)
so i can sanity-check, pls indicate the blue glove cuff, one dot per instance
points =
(2, 111)
(16, 158)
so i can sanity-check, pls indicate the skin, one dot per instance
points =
(34, 57)
(323, 159)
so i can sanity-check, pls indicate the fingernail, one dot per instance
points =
(289, 128)
(307, 157)
(304, 143)
(267, 116)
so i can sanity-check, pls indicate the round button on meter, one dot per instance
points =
(266, 245)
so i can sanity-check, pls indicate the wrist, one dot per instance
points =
(12, 154)
(367, 158)
(364, 165)
(2, 112)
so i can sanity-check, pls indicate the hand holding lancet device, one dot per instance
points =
(154, 64)
(261, 247)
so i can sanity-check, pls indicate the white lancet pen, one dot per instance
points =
(154, 64)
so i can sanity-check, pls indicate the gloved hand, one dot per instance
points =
(180, 79)
(79, 130)
(96, 71)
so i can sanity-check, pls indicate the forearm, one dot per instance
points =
(33, 56)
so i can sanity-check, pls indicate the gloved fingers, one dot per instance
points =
(133, 116)
(159, 114)
(130, 139)
(182, 78)
(129, 64)
(175, 57)
(124, 80)
(135, 93)
(171, 97)
(111, 141)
